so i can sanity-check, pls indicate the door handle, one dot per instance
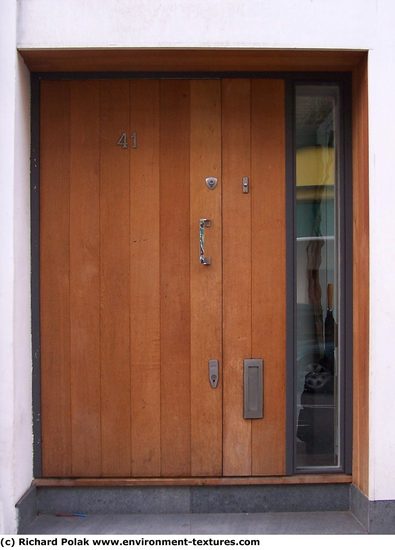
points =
(203, 223)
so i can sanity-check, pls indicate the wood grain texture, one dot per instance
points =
(269, 270)
(145, 279)
(206, 281)
(310, 479)
(147, 414)
(114, 280)
(54, 278)
(175, 275)
(360, 278)
(236, 273)
(49, 60)
(85, 277)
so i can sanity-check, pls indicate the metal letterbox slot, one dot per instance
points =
(253, 388)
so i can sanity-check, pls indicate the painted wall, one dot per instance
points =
(354, 24)
(382, 256)
(199, 23)
(15, 356)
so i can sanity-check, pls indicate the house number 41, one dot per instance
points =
(123, 140)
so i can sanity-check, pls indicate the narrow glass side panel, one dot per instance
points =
(317, 272)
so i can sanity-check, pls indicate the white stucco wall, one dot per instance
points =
(382, 255)
(22, 354)
(198, 23)
(7, 112)
(15, 356)
(340, 24)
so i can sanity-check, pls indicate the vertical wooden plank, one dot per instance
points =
(54, 278)
(144, 279)
(114, 277)
(360, 167)
(206, 281)
(85, 278)
(269, 270)
(174, 283)
(236, 272)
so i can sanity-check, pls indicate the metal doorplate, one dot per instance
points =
(213, 372)
(211, 182)
(246, 184)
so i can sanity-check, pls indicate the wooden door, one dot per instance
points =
(254, 286)
(129, 316)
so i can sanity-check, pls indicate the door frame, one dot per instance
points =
(348, 234)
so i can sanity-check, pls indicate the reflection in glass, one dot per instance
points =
(317, 414)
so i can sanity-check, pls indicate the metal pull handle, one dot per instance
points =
(203, 223)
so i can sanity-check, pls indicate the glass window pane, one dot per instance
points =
(317, 288)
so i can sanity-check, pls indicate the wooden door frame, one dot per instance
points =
(230, 63)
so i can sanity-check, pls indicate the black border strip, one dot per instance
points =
(290, 79)
(348, 276)
(187, 75)
(290, 279)
(35, 271)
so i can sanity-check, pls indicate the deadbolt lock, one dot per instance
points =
(211, 182)
(213, 372)
(245, 184)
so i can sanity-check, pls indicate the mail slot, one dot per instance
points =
(253, 388)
